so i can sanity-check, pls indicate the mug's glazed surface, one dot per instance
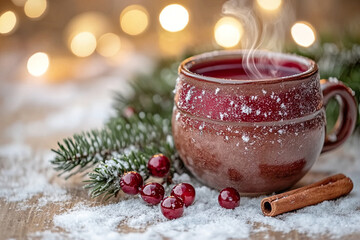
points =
(258, 136)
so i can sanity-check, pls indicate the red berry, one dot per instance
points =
(172, 207)
(229, 198)
(159, 165)
(185, 192)
(152, 193)
(131, 182)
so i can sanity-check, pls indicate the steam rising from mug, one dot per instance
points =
(263, 30)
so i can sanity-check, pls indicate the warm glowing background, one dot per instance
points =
(52, 39)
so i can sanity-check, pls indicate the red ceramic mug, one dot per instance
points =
(258, 136)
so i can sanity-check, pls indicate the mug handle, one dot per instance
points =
(345, 123)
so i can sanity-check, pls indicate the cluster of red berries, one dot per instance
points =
(182, 195)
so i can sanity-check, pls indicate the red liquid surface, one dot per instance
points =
(237, 70)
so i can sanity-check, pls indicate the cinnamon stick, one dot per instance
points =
(326, 189)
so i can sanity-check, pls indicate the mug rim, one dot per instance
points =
(186, 65)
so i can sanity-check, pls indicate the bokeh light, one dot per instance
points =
(269, 5)
(174, 18)
(83, 44)
(7, 22)
(108, 45)
(303, 34)
(228, 32)
(38, 64)
(134, 20)
(93, 22)
(35, 8)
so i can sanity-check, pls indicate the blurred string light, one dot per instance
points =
(35, 8)
(83, 30)
(8, 22)
(228, 32)
(94, 22)
(269, 5)
(134, 20)
(108, 45)
(83, 44)
(303, 34)
(174, 18)
(38, 64)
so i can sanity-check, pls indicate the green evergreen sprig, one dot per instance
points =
(85, 150)
(152, 93)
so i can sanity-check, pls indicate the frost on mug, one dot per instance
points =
(255, 121)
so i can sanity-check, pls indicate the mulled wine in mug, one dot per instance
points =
(255, 122)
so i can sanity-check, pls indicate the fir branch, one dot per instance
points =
(85, 150)
(104, 180)
(152, 93)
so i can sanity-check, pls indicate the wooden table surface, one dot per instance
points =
(23, 223)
